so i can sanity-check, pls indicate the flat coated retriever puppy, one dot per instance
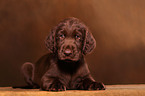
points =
(64, 67)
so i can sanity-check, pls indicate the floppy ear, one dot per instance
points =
(50, 41)
(89, 43)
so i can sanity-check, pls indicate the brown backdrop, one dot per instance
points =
(117, 25)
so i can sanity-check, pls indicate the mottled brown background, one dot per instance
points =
(117, 25)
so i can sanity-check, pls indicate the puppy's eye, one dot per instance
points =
(61, 36)
(77, 37)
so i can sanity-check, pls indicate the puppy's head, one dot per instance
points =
(70, 39)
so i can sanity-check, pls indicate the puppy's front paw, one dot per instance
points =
(88, 84)
(55, 86)
(96, 86)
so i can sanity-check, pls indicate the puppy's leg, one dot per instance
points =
(88, 83)
(28, 73)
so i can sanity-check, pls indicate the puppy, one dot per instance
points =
(64, 67)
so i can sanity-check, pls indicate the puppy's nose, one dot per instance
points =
(68, 52)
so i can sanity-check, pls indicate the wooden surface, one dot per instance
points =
(111, 90)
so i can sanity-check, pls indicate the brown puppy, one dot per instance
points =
(64, 67)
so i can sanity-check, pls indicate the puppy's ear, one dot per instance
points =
(50, 41)
(89, 43)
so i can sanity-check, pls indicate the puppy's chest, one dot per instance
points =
(70, 81)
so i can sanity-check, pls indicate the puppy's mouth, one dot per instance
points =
(70, 58)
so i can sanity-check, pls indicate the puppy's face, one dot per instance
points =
(69, 39)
